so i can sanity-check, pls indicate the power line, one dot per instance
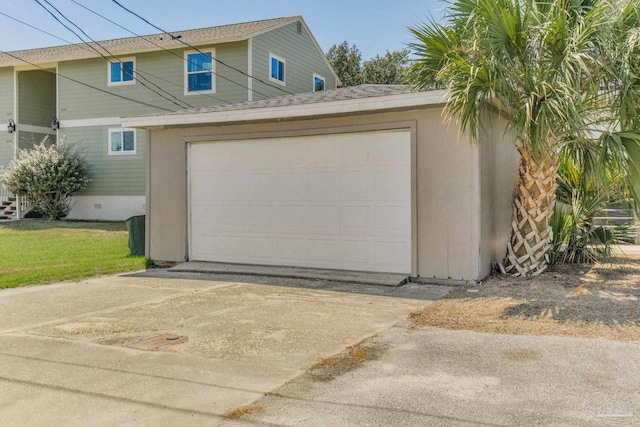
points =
(85, 84)
(163, 48)
(83, 46)
(67, 27)
(35, 28)
(199, 51)
(109, 53)
(181, 57)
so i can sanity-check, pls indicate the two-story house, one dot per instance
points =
(80, 92)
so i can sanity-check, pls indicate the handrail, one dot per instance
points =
(22, 203)
(5, 194)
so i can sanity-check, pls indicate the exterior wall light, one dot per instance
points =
(11, 127)
(55, 123)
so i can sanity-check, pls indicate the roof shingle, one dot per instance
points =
(340, 94)
(129, 45)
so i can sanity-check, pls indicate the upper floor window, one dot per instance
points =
(122, 141)
(122, 72)
(276, 69)
(199, 72)
(318, 83)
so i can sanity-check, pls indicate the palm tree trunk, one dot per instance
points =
(531, 234)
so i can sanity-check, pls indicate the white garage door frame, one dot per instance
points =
(408, 127)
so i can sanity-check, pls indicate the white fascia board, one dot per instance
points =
(98, 121)
(291, 111)
(92, 55)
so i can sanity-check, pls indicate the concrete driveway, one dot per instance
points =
(175, 349)
(443, 378)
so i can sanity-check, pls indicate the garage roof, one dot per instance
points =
(330, 102)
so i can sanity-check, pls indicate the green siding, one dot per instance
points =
(27, 140)
(125, 175)
(36, 97)
(302, 57)
(167, 71)
(6, 113)
(112, 175)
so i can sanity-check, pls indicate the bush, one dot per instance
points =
(576, 237)
(48, 174)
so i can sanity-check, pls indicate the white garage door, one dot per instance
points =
(333, 201)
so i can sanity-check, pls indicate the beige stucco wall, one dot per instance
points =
(446, 184)
(498, 173)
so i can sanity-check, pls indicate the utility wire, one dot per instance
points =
(35, 28)
(181, 57)
(83, 46)
(199, 51)
(163, 48)
(176, 101)
(85, 84)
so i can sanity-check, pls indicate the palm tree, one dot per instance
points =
(564, 72)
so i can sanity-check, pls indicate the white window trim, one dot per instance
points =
(282, 82)
(313, 82)
(122, 153)
(213, 72)
(121, 60)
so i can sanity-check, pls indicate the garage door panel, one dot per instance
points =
(356, 254)
(261, 186)
(391, 254)
(292, 186)
(331, 201)
(289, 154)
(322, 153)
(201, 184)
(359, 151)
(290, 219)
(292, 250)
(391, 221)
(321, 186)
(259, 249)
(323, 251)
(257, 157)
(356, 220)
(387, 185)
(260, 219)
(356, 185)
(232, 217)
(392, 150)
(323, 220)
(224, 156)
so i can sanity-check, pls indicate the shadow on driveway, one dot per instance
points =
(416, 291)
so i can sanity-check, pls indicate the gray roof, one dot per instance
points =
(341, 94)
(129, 45)
(343, 101)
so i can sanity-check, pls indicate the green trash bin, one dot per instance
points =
(135, 227)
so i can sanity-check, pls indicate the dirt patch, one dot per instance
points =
(601, 300)
(349, 359)
(242, 411)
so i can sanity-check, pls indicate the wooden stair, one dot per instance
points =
(8, 208)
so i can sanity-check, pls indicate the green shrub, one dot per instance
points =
(48, 174)
(576, 236)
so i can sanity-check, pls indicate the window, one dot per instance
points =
(122, 141)
(276, 69)
(199, 72)
(122, 72)
(318, 83)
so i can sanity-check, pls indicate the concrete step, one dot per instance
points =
(381, 279)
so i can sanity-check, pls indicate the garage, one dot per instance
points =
(365, 178)
(338, 201)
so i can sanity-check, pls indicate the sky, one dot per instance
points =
(374, 26)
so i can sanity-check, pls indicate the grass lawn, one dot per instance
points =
(36, 252)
